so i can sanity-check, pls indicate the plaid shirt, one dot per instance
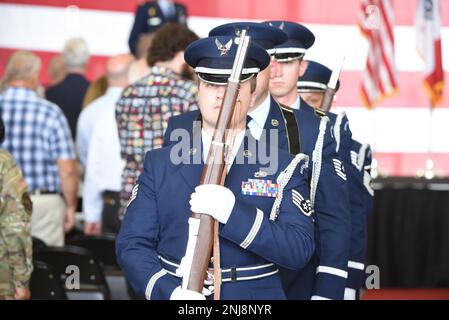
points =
(37, 134)
(142, 114)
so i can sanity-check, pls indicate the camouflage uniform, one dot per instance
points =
(15, 228)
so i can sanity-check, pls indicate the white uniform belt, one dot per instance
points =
(232, 274)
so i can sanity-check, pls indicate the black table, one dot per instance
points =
(408, 232)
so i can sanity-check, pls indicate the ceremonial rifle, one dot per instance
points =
(214, 172)
(328, 98)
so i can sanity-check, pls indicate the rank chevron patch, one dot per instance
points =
(304, 205)
(339, 168)
(133, 194)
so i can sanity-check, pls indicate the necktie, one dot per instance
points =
(248, 120)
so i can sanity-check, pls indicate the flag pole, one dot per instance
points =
(374, 163)
(429, 171)
(428, 44)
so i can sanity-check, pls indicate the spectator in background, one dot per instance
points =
(69, 93)
(15, 234)
(104, 166)
(117, 77)
(56, 69)
(2, 85)
(143, 45)
(140, 68)
(146, 105)
(38, 137)
(149, 17)
(95, 90)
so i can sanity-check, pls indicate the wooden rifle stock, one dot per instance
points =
(214, 172)
(329, 94)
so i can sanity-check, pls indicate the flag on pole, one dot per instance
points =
(380, 75)
(428, 44)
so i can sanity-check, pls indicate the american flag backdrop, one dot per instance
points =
(400, 139)
(380, 75)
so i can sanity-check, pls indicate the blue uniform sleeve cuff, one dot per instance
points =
(161, 285)
(243, 224)
(355, 278)
(329, 286)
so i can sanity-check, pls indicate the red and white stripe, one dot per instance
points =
(380, 76)
(400, 138)
(428, 44)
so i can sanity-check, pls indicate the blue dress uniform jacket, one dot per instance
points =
(331, 203)
(149, 17)
(345, 145)
(325, 276)
(154, 232)
(361, 162)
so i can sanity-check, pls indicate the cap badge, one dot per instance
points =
(223, 48)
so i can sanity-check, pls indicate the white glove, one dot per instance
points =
(350, 294)
(214, 200)
(184, 294)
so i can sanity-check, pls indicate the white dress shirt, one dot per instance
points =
(167, 7)
(104, 165)
(297, 104)
(90, 116)
(259, 117)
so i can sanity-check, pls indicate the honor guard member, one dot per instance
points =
(357, 157)
(325, 277)
(150, 15)
(265, 217)
(308, 133)
(361, 158)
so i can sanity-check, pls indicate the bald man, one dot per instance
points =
(99, 148)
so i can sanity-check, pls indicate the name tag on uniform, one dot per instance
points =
(259, 188)
(155, 21)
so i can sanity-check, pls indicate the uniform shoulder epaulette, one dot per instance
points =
(320, 113)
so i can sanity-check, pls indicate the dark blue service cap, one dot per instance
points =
(266, 36)
(315, 79)
(299, 40)
(213, 58)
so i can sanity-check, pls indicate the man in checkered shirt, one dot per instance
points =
(38, 136)
(143, 110)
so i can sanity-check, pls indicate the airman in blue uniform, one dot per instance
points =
(266, 217)
(357, 157)
(325, 277)
(361, 158)
(150, 15)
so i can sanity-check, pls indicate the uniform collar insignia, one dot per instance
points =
(260, 174)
